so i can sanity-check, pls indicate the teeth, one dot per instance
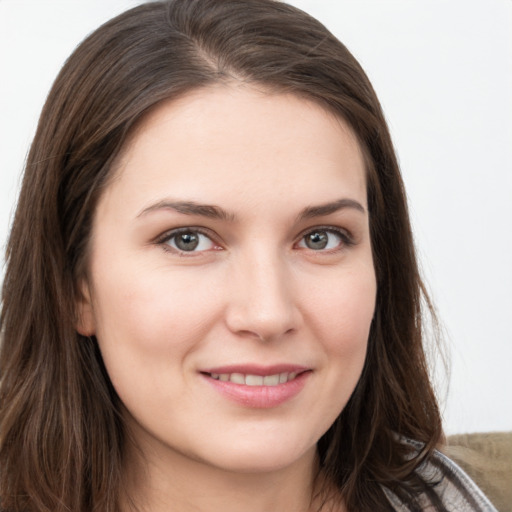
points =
(255, 380)
(237, 378)
(271, 380)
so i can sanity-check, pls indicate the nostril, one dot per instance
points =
(261, 304)
(266, 336)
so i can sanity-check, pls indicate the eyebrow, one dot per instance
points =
(216, 212)
(330, 208)
(190, 208)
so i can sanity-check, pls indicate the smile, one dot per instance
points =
(256, 386)
(255, 380)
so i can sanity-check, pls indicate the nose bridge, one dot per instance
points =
(261, 301)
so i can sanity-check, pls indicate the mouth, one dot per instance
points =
(255, 380)
(256, 386)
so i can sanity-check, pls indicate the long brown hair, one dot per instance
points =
(61, 437)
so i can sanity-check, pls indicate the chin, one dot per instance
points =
(263, 459)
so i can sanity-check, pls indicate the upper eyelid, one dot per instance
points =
(336, 229)
(347, 240)
(167, 235)
(163, 240)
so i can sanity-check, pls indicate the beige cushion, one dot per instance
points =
(487, 459)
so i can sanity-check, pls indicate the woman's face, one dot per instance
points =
(231, 285)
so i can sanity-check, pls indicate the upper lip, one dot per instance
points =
(255, 369)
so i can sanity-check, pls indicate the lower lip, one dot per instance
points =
(260, 397)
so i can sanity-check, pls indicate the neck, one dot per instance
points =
(172, 481)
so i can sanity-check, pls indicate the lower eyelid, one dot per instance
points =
(200, 242)
(164, 239)
(346, 239)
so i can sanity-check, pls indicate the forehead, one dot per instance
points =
(245, 140)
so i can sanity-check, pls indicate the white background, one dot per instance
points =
(443, 72)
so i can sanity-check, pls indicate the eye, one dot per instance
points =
(323, 240)
(188, 240)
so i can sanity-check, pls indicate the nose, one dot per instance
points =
(262, 304)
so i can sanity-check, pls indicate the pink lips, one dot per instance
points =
(230, 382)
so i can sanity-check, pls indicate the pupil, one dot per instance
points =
(317, 240)
(187, 241)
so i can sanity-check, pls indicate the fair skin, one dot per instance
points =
(235, 342)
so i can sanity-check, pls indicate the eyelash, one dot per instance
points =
(164, 240)
(346, 239)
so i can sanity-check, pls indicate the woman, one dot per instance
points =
(211, 298)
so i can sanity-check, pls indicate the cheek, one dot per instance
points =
(152, 314)
(340, 316)
(343, 309)
(343, 316)
(147, 329)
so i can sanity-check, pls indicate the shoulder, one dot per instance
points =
(454, 488)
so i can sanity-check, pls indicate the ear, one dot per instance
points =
(85, 323)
